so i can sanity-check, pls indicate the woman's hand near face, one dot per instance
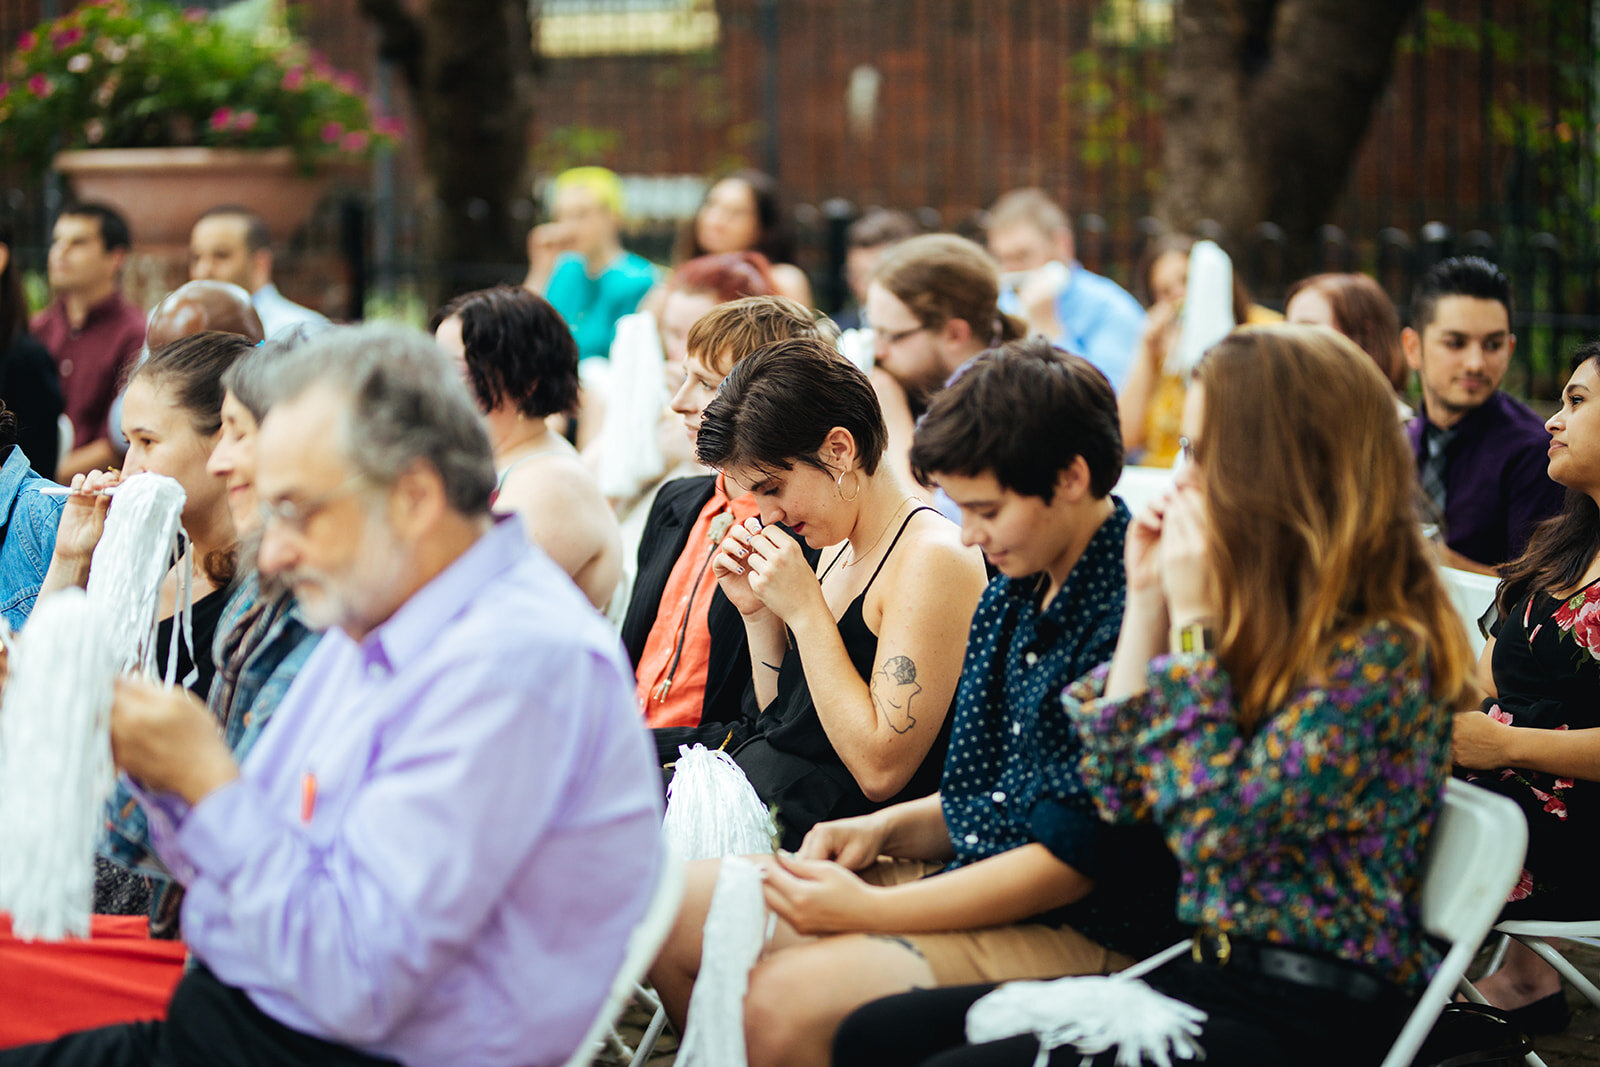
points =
(730, 567)
(83, 521)
(1184, 559)
(781, 576)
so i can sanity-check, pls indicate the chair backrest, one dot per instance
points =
(643, 945)
(1138, 486)
(1474, 858)
(1471, 594)
(64, 443)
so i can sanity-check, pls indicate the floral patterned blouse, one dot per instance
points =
(1309, 832)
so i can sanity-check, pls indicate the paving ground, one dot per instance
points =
(1578, 1047)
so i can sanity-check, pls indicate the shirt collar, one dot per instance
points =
(1103, 554)
(416, 623)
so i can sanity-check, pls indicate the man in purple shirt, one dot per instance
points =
(440, 844)
(91, 329)
(1481, 454)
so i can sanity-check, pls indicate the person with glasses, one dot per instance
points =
(1279, 706)
(438, 851)
(933, 305)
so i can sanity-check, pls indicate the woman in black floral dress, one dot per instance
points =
(1537, 737)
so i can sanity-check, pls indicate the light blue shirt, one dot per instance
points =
(1100, 321)
(277, 312)
(482, 836)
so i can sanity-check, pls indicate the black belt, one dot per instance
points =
(1216, 949)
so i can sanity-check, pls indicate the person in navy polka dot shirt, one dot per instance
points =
(1008, 872)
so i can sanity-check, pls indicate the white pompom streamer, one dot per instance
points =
(141, 535)
(1093, 1014)
(713, 810)
(55, 766)
(736, 930)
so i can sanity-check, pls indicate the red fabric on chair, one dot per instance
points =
(52, 988)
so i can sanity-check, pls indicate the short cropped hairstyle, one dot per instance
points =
(407, 404)
(256, 235)
(1022, 412)
(1471, 276)
(599, 182)
(729, 332)
(519, 350)
(1032, 206)
(777, 406)
(881, 227)
(113, 227)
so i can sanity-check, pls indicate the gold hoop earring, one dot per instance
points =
(856, 483)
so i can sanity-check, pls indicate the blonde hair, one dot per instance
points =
(729, 332)
(1032, 206)
(1324, 536)
(940, 277)
(599, 182)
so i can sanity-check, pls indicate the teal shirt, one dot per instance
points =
(592, 306)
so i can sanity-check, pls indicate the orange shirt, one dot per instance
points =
(672, 665)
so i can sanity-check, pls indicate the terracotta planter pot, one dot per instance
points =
(162, 191)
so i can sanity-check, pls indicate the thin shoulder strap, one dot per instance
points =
(896, 541)
(500, 483)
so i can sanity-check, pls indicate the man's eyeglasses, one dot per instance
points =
(897, 336)
(297, 515)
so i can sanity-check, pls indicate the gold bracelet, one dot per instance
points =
(1196, 636)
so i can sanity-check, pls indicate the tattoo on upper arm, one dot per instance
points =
(894, 685)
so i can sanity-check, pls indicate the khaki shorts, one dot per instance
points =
(995, 953)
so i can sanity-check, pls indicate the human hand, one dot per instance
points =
(1478, 742)
(781, 576)
(1142, 547)
(165, 738)
(1184, 559)
(854, 843)
(728, 566)
(548, 241)
(818, 897)
(83, 519)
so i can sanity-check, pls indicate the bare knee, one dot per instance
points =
(778, 1020)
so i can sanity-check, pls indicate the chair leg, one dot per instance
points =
(1565, 967)
(647, 1043)
(1499, 956)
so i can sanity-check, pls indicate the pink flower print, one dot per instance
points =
(1527, 611)
(294, 78)
(1499, 715)
(1524, 887)
(331, 132)
(1586, 627)
(355, 141)
(1556, 806)
(1532, 636)
(39, 86)
(1564, 783)
(221, 117)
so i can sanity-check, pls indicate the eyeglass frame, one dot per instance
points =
(897, 336)
(297, 517)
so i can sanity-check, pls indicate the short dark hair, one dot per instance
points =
(777, 405)
(519, 350)
(1471, 276)
(1023, 412)
(256, 235)
(113, 227)
(881, 226)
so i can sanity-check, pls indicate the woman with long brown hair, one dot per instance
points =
(1357, 307)
(1278, 705)
(1537, 738)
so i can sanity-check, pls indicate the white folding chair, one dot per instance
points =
(1471, 594)
(64, 444)
(1473, 861)
(1533, 933)
(643, 945)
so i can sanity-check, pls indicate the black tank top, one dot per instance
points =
(790, 760)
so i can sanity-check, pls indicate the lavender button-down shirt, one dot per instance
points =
(483, 831)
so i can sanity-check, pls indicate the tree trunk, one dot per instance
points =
(1267, 104)
(469, 67)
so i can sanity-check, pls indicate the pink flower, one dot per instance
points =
(1586, 627)
(355, 141)
(5, 90)
(331, 132)
(39, 86)
(320, 65)
(294, 78)
(27, 41)
(1556, 806)
(1564, 783)
(245, 120)
(1500, 716)
(221, 117)
(66, 38)
(389, 126)
(347, 82)
(195, 14)
(1524, 887)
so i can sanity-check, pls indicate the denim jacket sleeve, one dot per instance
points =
(28, 538)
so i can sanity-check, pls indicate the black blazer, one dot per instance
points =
(666, 532)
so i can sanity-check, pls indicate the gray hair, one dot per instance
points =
(250, 379)
(407, 403)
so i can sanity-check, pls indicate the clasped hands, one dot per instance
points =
(1168, 558)
(764, 568)
(168, 741)
(816, 890)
